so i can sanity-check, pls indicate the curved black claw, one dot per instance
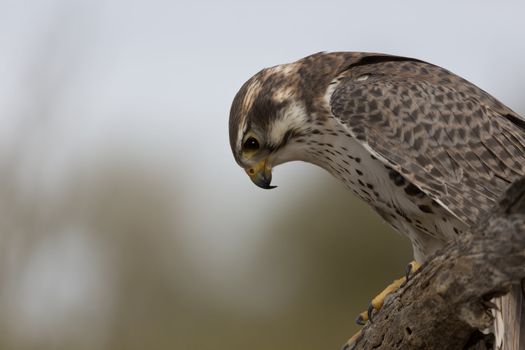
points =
(370, 313)
(408, 272)
(360, 321)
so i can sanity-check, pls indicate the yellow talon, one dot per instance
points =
(378, 301)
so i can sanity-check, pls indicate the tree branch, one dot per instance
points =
(446, 303)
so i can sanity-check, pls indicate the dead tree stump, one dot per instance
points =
(446, 303)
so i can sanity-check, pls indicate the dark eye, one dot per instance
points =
(251, 144)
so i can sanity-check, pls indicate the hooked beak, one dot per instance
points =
(261, 174)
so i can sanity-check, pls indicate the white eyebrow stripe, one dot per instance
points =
(293, 118)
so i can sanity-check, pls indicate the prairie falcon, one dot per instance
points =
(427, 150)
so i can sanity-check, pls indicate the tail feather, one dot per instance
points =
(522, 324)
(509, 321)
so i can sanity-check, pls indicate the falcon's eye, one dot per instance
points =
(251, 144)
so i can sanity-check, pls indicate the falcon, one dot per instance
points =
(430, 152)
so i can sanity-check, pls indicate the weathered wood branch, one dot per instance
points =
(446, 303)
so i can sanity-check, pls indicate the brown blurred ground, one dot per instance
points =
(323, 258)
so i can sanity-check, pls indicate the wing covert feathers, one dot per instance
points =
(450, 138)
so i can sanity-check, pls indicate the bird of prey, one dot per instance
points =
(430, 152)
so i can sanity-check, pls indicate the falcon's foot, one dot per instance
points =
(377, 303)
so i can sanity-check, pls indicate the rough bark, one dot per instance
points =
(447, 302)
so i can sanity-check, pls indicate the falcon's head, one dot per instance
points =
(275, 111)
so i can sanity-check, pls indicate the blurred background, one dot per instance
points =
(125, 222)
